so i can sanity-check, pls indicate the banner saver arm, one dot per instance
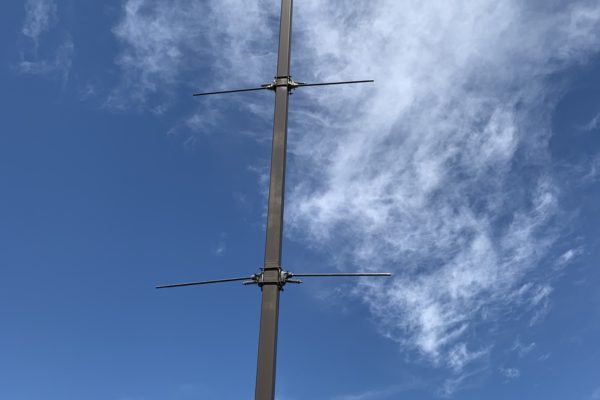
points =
(283, 278)
(285, 81)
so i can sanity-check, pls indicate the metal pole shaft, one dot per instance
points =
(267, 342)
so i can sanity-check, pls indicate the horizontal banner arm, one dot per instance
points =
(230, 91)
(290, 85)
(205, 282)
(343, 274)
(299, 84)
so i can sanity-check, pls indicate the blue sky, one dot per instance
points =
(470, 169)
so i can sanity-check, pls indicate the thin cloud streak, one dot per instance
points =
(593, 124)
(523, 349)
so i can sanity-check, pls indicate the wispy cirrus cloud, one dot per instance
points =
(595, 394)
(41, 16)
(592, 173)
(162, 43)
(510, 373)
(60, 63)
(439, 172)
(523, 349)
(593, 124)
(569, 256)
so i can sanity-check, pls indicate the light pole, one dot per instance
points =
(272, 277)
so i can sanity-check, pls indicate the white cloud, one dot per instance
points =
(459, 356)
(40, 16)
(438, 172)
(568, 256)
(544, 357)
(523, 349)
(592, 170)
(452, 385)
(221, 246)
(59, 64)
(593, 124)
(510, 373)
(596, 394)
(163, 40)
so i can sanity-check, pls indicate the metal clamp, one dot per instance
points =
(280, 279)
(282, 81)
